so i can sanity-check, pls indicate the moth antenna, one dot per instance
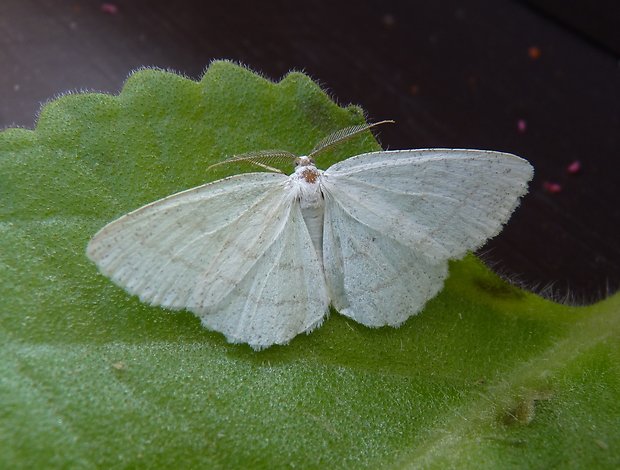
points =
(260, 158)
(342, 135)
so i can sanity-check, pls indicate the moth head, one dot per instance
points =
(304, 161)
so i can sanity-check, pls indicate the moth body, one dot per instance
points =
(306, 182)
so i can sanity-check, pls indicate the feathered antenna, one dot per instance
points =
(342, 135)
(260, 158)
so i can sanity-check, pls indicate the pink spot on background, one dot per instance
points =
(521, 125)
(574, 167)
(109, 8)
(552, 188)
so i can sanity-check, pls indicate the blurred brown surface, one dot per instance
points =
(539, 79)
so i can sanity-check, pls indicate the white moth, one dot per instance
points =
(260, 257)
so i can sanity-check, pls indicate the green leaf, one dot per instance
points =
(486, 376)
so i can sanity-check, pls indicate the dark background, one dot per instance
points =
(451, 73)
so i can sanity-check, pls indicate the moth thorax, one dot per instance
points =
(310, 175)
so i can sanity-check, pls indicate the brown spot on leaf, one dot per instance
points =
(524, 410)
(522, 413)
